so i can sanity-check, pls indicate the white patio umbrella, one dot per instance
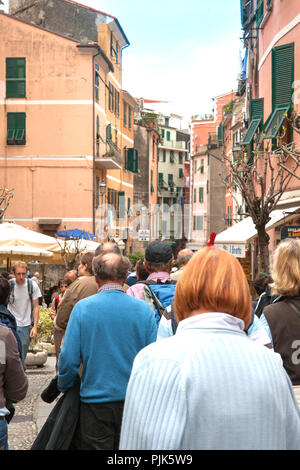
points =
(24, 250)
(16, 235)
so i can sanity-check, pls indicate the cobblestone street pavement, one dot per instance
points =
(31, 412)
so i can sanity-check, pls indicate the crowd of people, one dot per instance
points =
(160, 360)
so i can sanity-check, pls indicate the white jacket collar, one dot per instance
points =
(212, 320)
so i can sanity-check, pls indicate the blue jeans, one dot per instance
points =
(24, 334)
(3, 435)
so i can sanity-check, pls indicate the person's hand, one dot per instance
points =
(33, 332)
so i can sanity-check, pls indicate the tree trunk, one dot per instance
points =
(263, 244)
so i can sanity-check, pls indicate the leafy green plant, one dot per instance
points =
(45, 328)
(134, 257)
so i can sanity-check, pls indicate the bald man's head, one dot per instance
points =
(107, 247)
(184, 256)
(111, 267)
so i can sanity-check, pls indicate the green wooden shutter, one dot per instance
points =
(16, 129)
(256, 116)
(160, 178)
(108, 132)
(97, 190)
(132, 160)
(109, 96)
(125, 113)
(257, 108)
(129, 117)
(121, 204)
(220, 133)
(259, 12)
(15, 77)
(97, 81)
(282, 75)
(201, 192)
(282, 88)
(276, 121)
(254, 124)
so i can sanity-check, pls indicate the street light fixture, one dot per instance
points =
(102, 188)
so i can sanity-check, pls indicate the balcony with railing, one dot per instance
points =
(173, 144)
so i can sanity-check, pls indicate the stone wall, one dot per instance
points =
(60, 16)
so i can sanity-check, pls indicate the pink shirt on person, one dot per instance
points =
(137, 290)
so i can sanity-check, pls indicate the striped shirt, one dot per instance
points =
(209, 387)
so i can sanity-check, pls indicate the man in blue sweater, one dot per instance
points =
(104, 334)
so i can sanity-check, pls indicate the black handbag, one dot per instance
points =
(51, 391)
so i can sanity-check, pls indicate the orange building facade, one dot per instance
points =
(62, 96)
(47, 110)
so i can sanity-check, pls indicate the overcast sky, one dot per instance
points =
(183, 52)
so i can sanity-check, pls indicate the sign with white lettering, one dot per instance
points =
(239, 251)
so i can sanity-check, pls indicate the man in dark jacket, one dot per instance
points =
(13, 381)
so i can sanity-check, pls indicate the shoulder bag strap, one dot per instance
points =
(296, 310)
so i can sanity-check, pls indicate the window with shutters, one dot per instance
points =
(15, 77)
(97, 191)
(131, 163)
(97, 82)
(124, 113)
(117, 104)
(259, 12)
(114, 49)
(168, 135)
(171, 182)
(108, 133)
(199, 222)
(256, 119)
(152, 187)
(97, 136)
(129, 117)
(160, 179)
(112, 198)
(16, 129)
(201, 193)
(172, 157)
(220, 133)
(181, 173)
(282, 88)
(121, 204)
(110, 97)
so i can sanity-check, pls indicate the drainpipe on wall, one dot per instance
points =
(94, 148)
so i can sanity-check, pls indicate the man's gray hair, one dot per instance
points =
(184, 256)
(111, 267)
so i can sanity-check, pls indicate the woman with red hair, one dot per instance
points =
(209, 386)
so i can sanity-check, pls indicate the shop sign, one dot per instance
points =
(239, 251)
(290, 231)
(144, 235)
